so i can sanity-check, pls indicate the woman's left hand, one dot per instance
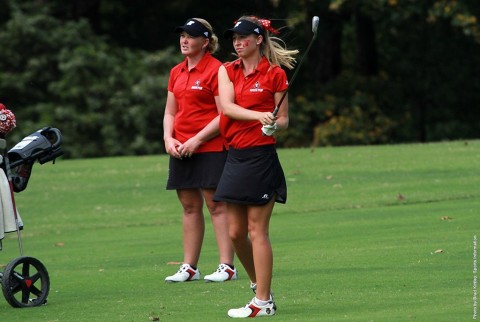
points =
(189, 147)
(267, 118)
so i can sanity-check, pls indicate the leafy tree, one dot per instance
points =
(408, 46)
(380, 71)
(106, 100)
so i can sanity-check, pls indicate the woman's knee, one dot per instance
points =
(191, 200)
(217, 209)
(237, 236)
(191, 208)
(257, 233)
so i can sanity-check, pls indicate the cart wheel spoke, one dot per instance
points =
(35, 277)
(25, 269)
(25, 296)
(34, 290)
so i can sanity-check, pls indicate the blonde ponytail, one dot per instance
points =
(274, 48)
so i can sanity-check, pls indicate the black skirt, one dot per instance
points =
(252, 176)
(202, 170)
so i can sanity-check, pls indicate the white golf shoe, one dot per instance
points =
(252, 310)
(222, 274)
(185, 273)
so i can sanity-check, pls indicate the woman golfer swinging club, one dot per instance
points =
(253, 179)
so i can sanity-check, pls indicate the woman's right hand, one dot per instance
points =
(171, 146)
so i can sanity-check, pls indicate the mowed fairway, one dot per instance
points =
(373, 233)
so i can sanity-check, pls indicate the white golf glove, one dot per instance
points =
(269, 129)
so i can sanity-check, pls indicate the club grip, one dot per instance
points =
(275, 111)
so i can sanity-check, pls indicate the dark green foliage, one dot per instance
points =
(107, 100)
(380, 71)
(426, 87)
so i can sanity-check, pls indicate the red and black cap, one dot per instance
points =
(194, 28)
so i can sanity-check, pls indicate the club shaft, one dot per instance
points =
(290, 83)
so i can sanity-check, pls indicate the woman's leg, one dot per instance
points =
(218, 212)
(258, 227)
(238, 231)
(193, 224)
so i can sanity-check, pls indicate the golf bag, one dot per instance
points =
(43, 145)
(25, 280)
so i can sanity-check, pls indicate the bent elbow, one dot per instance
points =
(227, 111)
(283, 123)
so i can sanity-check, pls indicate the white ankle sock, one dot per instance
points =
(260, 302)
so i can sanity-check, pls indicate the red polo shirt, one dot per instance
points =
(195, 92)
(254, 92)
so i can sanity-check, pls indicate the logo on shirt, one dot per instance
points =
(197, 85)
(256, 88)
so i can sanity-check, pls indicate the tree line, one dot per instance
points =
(381, 71)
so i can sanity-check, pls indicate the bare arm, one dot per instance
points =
(171, 109)
(282, 116)
(234, 111)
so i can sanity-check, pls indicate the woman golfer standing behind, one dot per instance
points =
(197, 156)
(253, 179)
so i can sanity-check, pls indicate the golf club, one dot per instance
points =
(315, 21)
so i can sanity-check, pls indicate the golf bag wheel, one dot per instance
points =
(25, 282)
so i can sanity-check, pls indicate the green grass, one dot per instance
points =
(356, 241)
